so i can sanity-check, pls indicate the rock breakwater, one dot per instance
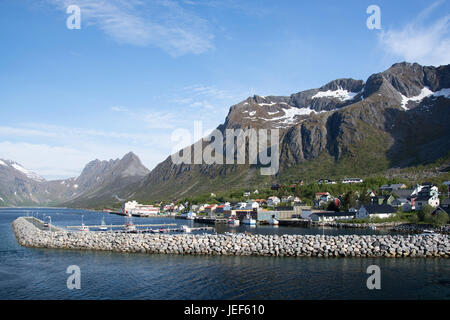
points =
(237, 244)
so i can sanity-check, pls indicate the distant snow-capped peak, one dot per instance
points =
(28, 173)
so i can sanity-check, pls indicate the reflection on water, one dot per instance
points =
(27, 273)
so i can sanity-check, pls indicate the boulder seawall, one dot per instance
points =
(437, 245)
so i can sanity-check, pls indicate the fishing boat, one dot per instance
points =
(249, 221)
(233, 221)
(185, 228)
(130, 227)
(83, 227)
(428, 232)
(103, 226)
(272, 221)
(190, 216)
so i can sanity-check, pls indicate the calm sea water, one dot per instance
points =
(27, 273)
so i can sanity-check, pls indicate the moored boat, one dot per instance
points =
(249, 221)
(185, 228)
(233, 221)
(103, 226)
(83, 227)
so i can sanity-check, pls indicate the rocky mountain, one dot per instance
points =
(100, 182)
(18, 185)
(397, 118)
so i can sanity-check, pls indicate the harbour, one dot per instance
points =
(110, 275)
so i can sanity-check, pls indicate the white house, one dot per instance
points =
(252, 205)
(427, 195)
(352, 180)
(273, 201)
(375, 210)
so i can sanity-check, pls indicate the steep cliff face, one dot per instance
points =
(398, 117)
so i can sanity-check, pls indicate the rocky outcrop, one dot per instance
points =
(345, 127)
(237, 244)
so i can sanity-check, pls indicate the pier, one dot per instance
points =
(210, 220)
(122, 225)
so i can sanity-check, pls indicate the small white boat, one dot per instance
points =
(103, 226)
(130, 227)
(428, 232)
(185, 228)
(273, 222)
(233, 221)
(190, 216)
(249, 221)
(83, 227)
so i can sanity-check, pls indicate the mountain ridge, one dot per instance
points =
(396, 118)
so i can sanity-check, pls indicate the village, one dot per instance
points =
(423, 203)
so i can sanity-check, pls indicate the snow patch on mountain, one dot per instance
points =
(340, 94)
(424, 93)
(290, 114)
(28, 173)
(3, 164)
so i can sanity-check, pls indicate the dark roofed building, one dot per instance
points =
(403, 193)
(375, 210)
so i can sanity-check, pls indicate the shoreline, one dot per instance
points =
(435, 246)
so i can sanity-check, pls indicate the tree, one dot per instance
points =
(332, 206)
(440, 219)
(349, 200)
(425, 213)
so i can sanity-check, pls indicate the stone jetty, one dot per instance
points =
(29, 235)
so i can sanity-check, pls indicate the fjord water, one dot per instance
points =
(30, 273)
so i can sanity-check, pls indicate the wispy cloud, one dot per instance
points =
(427, 44)
(161, 23)
(119, 109)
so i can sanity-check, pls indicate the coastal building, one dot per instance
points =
(133, 207)
(326, 181)
(210, 209)
(352, 180)
(392, 187)
(428, 194)
(375, 210)
(383, 199)
(440, 210)
(327, 216)
(273, 201)
(402, 203)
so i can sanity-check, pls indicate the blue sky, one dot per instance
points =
(137, 70)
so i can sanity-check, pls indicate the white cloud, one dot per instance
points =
(417, 42)
(119, 109)
(164, 24)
